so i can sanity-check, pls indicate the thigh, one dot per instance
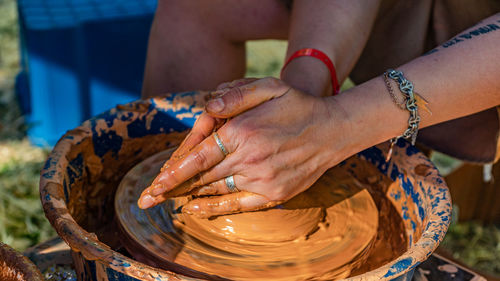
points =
(236, 21)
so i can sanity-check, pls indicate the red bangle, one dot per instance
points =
(310, 52)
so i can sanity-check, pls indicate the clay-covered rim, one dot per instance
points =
(436, 221)
(19, 263)
(438, 212)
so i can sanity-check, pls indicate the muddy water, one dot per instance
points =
(341, 226)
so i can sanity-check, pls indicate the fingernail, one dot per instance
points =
(215, 105)
(146, 201)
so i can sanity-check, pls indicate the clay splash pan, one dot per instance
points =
(81, 176)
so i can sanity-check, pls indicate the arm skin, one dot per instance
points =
(459, 78)
(281, 139)
(328, 26)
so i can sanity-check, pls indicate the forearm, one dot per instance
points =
(339, 28)
(456, 79)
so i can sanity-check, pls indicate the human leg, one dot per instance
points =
(199, 44)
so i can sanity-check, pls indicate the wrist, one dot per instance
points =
(309, 75)
(318, 55)
(341, 138)
(366, 116)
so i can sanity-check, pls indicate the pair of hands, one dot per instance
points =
(280, 141)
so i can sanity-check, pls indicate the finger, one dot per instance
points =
(238, 99)
(217, 182)
(218, 187)
(148, 200)
(220, 171)
(197, 185)
(202, 128)
(227, 204)
(215, 188)
(204, 156)
(235, 83)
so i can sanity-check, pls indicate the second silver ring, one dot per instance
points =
(220, 144)
(231, 186)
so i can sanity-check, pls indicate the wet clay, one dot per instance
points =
(16, 267)
(325, 233)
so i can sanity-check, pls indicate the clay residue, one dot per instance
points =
(391, 241)
(15, 267)
(328, 232)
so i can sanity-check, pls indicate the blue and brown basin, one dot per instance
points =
(83, 171)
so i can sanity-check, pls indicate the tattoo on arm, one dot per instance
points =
(467, 36)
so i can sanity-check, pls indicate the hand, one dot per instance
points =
(280, 141)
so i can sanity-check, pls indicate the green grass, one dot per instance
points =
(476, 245)
(22, 222)
(12, 125)
(265, 57)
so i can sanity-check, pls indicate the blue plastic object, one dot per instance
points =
(79, 58)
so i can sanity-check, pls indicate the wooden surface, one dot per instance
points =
(476, 198)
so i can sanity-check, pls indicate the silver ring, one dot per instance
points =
(231, 185)
(220, 144)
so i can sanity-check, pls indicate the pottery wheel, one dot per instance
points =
(322, 233)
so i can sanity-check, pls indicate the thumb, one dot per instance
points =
(233, 101)
(243, 201)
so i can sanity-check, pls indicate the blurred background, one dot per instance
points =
(30, 90)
